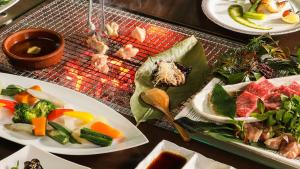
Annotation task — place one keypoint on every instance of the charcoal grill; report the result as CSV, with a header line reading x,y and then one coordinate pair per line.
x,y
69,17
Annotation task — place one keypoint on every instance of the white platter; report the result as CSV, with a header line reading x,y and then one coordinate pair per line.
x,y
133,136
194,160
47,160
202,106
217,11
8,5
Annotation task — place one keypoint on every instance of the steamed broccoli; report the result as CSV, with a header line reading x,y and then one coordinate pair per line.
x,y
43,108
23,114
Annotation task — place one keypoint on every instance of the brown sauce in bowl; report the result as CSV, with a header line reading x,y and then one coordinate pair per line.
x,y
168,160
46,45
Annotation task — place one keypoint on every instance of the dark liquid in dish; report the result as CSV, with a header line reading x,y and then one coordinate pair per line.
x,y
167,160
47,46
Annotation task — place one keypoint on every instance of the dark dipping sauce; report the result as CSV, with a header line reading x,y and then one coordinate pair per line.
x,y
168,160
47,46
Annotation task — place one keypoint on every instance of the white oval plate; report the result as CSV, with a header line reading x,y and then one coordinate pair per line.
x,y
217,11
202,106
10,4
133,136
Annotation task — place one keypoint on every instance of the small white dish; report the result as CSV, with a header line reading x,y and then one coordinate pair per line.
x,y
194,160
132,135
202,106
8,5
47,160
217,11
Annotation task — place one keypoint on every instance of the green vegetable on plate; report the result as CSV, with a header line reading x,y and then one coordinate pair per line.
x,y
95,137
64,130
12,90
58,136
236,13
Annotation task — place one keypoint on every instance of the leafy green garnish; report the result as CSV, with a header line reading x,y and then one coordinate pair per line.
x,y
261,57
223,103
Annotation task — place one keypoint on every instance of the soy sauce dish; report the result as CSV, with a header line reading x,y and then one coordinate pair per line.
x,y
35,48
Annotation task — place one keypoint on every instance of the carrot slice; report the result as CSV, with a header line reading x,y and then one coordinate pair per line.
x,y
39,125
36,87
106,130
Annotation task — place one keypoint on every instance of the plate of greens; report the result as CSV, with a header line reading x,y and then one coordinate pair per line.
x,y
5,4
254,17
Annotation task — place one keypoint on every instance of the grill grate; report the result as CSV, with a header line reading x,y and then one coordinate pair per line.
x,y
75,71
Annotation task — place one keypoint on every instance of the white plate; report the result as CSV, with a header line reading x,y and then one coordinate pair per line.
x,y
133,136
194,160
217,11
47,160
201,100
10,4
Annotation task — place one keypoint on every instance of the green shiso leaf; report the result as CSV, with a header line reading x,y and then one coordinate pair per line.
x,y
223,103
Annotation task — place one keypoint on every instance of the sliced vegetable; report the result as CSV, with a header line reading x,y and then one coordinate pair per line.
x,y
84,116
39,125
25,98
10,105
12,90
106,129
236,13
54,114
19,127
64,130
58,136
45,96
254,15
95,137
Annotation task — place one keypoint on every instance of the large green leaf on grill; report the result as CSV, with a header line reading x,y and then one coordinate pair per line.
x,y
188,52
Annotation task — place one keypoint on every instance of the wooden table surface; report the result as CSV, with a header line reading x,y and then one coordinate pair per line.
x,y
128,159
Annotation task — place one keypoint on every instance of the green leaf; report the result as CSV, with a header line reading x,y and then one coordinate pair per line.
x,y
223,103
260,106
188,52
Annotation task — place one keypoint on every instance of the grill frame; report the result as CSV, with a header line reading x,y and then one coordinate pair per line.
x,y
69,18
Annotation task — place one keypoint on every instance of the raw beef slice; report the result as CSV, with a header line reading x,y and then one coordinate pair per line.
x,y
260,88
285,91
246,103
272,101
295,86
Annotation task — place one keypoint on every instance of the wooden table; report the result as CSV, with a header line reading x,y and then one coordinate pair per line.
x,y
128,159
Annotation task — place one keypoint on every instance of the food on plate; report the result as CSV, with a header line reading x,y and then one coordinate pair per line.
x,y
170,74
168,160
260,57
291,17
47,116
16,167
236,13
127,52
272,6
139,34
99,61
277,108
252,14
3,2
96,44
33,164
112,29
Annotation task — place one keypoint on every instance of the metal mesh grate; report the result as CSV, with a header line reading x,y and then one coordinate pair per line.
x,y
69,17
